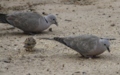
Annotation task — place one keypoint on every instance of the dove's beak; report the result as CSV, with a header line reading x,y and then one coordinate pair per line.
x,y
108,49
56,23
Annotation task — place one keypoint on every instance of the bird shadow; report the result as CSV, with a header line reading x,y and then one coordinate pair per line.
x,y
10,28
22,33
79,57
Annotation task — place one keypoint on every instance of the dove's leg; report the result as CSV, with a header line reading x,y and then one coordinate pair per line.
x,y
89,56
29,33
82,55
86,56
95,56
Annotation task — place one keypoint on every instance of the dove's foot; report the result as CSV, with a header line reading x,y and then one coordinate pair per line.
x,y
89,57
30,33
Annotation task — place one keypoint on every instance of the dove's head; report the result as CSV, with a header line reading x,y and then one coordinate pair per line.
x,y
105,43
52,19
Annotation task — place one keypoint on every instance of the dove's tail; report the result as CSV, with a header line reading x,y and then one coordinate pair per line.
x,y
47,38
58,39
61,40
3,18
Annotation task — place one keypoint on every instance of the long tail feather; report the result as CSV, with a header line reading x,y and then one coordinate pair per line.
x,y
3,18
47,38
61,40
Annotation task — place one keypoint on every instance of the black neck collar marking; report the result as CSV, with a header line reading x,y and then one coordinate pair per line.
x,y
46,20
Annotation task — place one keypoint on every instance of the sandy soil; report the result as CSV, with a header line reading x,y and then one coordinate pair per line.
x,y
75,17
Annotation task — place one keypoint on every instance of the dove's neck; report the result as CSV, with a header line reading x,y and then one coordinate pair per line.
x,y
100,48
101,45
44,24
48,20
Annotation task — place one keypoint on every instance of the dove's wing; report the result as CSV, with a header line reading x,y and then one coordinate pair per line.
x,y
82,44
25,21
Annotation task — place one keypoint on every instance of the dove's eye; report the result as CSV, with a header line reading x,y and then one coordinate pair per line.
x,y
53,19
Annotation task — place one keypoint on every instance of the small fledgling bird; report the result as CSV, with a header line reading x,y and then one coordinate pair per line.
x,y
29,22
86,45
29,44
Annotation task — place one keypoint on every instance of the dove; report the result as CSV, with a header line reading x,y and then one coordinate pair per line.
x,y
86,45
29,22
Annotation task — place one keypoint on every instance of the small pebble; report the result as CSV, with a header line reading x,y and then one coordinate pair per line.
x,y
28,74
50,29
112,25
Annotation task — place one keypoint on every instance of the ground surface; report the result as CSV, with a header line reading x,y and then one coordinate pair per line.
x,y
97,17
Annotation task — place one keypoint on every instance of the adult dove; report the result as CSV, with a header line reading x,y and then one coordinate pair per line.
x,y
86,45
29,22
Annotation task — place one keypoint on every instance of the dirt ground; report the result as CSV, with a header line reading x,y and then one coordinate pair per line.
x,y
75,17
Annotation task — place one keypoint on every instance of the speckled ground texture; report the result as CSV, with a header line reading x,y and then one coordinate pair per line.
x,y
75,17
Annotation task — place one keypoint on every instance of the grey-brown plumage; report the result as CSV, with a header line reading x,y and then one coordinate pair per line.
x,y
86,45
29,44
29,22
